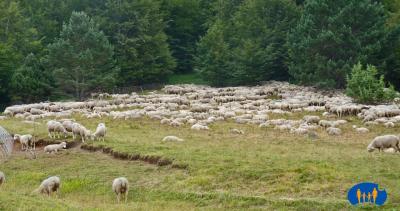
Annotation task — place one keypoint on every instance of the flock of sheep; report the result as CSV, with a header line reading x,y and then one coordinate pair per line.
x,y
201,106
120,186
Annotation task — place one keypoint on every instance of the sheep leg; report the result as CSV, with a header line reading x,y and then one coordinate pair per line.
x,y
118,197
126,196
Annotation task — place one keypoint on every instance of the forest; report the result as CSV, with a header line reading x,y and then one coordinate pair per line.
x,y
67,49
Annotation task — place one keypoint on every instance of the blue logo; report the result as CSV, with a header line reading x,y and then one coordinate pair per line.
x,y
366,193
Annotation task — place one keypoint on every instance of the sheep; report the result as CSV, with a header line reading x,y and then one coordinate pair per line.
x,y
333,131
55,147
299,131
54,127
389,124
311,119
2,178
237,131
25,140
362,130
78,129
384,142
101,131
199,127
68,125
172,139
120,186
49,185
325,123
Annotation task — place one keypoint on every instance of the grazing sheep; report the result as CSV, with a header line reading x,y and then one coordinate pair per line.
x,y
389,124
172,139
333,131
311,119
384,142
199,127
325,123
120,186
80,130
101,131
25,140
237,131
55,128
299,131
55,147
49,185
68,125
2,178
362,130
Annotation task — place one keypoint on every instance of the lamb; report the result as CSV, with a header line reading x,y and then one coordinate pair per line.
x,y
25,140
101,131
384,142
55,147
2,178
333,131
49,185
78,129
199,127
120,186
54,127
172,139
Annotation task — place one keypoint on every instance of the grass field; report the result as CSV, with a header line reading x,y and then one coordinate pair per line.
x,y
263,169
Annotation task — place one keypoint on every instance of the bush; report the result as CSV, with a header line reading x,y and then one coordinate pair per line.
x,y
364,86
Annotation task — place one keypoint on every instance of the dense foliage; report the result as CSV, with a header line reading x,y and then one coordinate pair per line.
x,y
364,86
235,42
332,36
251,46
82,58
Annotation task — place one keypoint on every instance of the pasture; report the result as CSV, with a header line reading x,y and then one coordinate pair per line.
x,y
269,167
262,169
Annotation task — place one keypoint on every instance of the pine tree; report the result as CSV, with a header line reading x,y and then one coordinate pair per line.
x,y
82,58
331,37
250,46
136,28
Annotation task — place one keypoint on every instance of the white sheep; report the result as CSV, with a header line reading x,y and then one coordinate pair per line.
x,y
101,131
49,185
389,124
384,142
2,178
362,130
56,128
237,131
311,119
172,139
68,125
80,130
55,147
120,186
24,140
199,127
333,131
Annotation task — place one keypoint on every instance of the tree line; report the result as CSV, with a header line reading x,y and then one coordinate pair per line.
x,y
54,49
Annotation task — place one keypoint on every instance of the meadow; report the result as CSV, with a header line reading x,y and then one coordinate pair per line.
x,y
262,169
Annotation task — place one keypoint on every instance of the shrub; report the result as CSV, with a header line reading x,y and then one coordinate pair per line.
x,y
365,87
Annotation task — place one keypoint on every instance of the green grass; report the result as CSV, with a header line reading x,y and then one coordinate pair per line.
x,y
263,169
187,78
